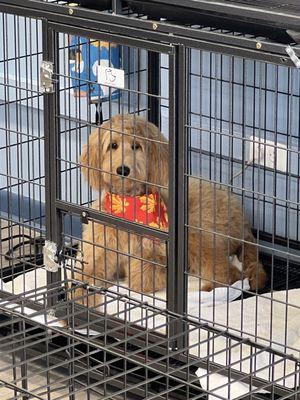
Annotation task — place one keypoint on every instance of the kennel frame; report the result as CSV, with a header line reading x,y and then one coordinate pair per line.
x,y
58,19
180,38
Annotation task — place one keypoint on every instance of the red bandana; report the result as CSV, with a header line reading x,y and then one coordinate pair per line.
x,y
145,209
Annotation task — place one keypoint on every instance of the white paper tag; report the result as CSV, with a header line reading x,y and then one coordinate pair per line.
x,y
111,77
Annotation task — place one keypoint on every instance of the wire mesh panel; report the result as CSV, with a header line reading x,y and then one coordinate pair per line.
x,y
22,184
243,132
127,355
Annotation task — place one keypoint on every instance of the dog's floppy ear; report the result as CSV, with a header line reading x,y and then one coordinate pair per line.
x,y
91,159
158,156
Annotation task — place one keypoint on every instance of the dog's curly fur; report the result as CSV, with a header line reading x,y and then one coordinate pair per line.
x,y
217,224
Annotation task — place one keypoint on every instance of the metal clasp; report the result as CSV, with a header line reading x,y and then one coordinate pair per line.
x,y
50,254
46,71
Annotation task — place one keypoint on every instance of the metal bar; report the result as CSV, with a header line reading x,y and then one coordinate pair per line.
x,y
153,87
176,288
23,357
47,138
271,17
212,41
117,6
117,37
207,40
110,220
285,20
52,178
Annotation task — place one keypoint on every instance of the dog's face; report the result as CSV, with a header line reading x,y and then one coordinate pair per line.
x,y
127,156
124,162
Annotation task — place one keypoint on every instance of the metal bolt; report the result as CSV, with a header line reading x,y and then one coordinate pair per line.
x,y
84,214
71,5
258,45
154,26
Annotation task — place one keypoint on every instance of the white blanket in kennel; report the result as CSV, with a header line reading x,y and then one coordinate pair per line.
x,y
267,317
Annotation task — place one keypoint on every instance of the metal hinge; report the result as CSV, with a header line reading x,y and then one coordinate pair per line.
x,y
46,71
51,259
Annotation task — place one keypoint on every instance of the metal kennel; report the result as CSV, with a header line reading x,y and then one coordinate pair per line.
x,y
221,81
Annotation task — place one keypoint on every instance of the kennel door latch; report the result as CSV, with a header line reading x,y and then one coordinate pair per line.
x,y
46,73
50,253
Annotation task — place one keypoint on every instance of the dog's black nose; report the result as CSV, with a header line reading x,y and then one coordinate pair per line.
x,y
123,170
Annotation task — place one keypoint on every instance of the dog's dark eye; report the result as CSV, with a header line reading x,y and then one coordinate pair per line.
x,y
136,146
112,146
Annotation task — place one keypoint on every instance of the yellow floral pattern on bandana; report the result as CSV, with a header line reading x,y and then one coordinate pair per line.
x,y
154,225
158,224
119,204
149,203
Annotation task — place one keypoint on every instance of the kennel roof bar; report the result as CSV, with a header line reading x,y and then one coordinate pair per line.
x,y
226,14
139,25
273,16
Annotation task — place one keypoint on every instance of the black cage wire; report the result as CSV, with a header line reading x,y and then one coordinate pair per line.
x,y
149,199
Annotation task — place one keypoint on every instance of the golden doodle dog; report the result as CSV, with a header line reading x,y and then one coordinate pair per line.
x,y
128,157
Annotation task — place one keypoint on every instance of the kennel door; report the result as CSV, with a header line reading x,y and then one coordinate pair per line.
x,y
115,205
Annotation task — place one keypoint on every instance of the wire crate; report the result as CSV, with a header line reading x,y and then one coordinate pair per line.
x,y
149,200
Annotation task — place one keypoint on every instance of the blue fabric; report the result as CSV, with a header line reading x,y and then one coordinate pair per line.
x,y
84,57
